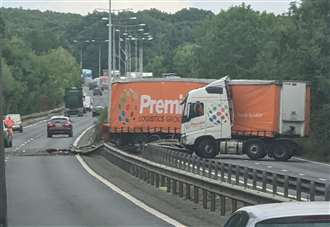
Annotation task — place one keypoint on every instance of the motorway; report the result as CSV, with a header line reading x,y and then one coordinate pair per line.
x,y
56,190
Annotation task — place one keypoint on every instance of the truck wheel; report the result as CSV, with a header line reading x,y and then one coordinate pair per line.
x,y
281,151
70,134
49,135
206,148
255,149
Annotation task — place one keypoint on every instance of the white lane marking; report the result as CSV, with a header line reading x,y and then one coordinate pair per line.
x,y
301,174
35,124
322,179
257,163
128,196
284,170
269,167
75,143
318,163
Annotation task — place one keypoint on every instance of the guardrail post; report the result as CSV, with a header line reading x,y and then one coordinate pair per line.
x,y
254,182
327,192
157,180
286,186
152,178
180,189
210,169
174,183
298,189
216,171
212,198
237,174
193,164
162,181
222,167
203,167
233,205
274,182
198,166
245,176
190,165
312,191
229,173
204,199
168,186
264,181
196,195
222,205
188,191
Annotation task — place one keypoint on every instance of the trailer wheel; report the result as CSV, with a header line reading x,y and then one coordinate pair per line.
x,y
281,151
206,148
255,149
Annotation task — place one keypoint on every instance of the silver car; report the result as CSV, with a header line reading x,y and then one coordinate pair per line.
x,y
289,214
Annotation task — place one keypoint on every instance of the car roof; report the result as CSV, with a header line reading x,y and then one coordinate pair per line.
x,y
13,115
57,117
287,209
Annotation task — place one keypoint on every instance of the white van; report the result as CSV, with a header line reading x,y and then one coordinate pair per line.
x,y
88,104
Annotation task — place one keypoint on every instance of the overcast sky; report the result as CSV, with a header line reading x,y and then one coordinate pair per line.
x,y
86,6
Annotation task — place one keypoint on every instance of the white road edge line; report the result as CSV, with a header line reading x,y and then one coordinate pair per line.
x,y
128,196
75,143
314,162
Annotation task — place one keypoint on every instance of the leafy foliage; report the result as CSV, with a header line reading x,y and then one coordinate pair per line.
x,y
239,42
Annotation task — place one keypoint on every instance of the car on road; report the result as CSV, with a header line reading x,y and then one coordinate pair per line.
x,y
7,136
59,125
88,103
97,91
97,110
288,214
18,125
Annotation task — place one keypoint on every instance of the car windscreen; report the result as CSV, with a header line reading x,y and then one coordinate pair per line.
x,y
297,221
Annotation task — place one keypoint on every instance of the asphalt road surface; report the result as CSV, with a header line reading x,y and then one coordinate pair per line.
x,y
55,190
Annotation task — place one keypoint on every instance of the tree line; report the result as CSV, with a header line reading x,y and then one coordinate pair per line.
x,y
41,58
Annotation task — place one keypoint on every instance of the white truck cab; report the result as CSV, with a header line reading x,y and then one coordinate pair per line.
x,y
206,118
253,117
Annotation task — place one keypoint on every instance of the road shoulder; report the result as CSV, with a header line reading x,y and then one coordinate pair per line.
x,y
182,210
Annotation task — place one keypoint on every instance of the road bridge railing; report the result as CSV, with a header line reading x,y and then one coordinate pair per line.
x,y
252,178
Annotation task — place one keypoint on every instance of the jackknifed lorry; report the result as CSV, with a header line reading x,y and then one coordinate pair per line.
x,y
210,118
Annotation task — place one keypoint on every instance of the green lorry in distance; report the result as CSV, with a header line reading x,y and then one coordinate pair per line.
x,y
73,101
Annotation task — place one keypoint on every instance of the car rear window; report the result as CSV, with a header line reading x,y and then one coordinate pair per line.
x,y
297,221
59,120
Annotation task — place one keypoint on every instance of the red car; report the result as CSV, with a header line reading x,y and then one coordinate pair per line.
x,y
59,125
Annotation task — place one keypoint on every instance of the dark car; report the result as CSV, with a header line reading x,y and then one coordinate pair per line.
x,y
97,110
97,91
59,125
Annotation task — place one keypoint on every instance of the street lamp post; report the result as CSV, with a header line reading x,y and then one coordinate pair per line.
x,y
109,65
100,55
141,57
136,55
114,50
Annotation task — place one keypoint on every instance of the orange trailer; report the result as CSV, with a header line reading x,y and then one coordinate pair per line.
x,y
143,107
